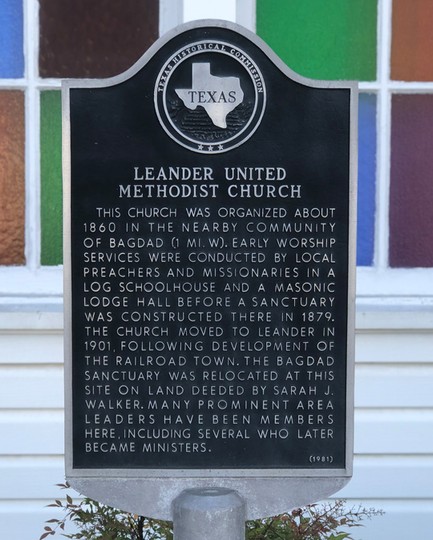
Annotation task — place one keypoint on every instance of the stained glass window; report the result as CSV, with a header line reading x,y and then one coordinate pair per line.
x,y
51,175
322,40
337,40
366,179
411,193
385,44
411,186
412,40
100,38
12,194
76,39
81,39
11,39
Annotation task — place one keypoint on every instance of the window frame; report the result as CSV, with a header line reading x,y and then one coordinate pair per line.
x,y
34,287
380,284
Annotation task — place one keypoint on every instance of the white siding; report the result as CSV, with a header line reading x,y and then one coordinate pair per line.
x,y
393,423
31,421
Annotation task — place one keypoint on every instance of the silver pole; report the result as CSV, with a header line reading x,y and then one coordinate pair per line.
x,y
209,514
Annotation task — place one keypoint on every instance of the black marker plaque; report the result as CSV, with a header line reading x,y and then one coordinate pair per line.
x,y
210,264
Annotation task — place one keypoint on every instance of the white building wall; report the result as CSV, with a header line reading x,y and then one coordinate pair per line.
x,y
31,420
393,422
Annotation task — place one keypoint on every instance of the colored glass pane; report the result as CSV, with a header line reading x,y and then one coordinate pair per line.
x,y
411,195
366,179
11,39
51,178
322,40
412,40
12,199
100,38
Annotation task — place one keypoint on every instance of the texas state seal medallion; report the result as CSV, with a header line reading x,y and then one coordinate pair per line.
x,y
210,97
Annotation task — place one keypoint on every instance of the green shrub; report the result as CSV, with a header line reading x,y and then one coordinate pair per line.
x,y
313,522
92,520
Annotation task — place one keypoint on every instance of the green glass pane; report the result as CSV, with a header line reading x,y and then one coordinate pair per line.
x,y
51,178
322,39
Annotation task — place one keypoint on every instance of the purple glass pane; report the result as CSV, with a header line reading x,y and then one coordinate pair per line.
x,y
411,195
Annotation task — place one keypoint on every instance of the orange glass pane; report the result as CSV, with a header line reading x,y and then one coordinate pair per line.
x,y
412,40
11,177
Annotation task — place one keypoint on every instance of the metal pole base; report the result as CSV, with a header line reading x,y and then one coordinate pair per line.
x,y
209,514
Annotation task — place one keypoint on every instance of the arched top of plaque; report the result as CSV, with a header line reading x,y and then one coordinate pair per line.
x,y
209,77
248,172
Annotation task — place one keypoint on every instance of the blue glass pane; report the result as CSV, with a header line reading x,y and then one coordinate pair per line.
x,y
366,179
11,39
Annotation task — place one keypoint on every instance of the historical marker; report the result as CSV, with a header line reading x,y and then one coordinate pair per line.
x,y
209,232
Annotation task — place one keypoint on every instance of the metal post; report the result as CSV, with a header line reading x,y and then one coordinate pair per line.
x,y
209,514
